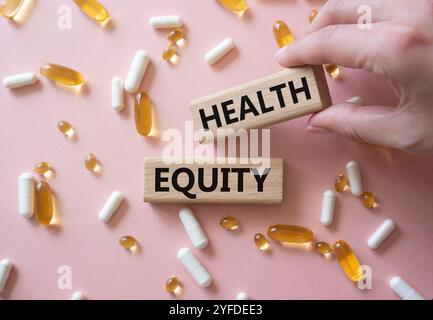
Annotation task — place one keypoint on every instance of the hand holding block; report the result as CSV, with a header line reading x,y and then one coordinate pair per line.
x,y
225,181
281,96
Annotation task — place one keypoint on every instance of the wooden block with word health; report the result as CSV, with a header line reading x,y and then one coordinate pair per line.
x,y
227,181
278,97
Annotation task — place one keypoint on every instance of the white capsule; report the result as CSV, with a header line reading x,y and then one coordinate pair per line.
x,y
117,98
193,228
159,22
219,51
242,296
5,270
194,267
111,206
78,296
381,234
356,101
328,207
26,194
404,290
136,71
354,176
20,80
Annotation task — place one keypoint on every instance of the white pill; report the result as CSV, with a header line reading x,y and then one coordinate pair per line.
x,y
78,296
242,296
5,270
354,176
404,290
219,51
111,206
20,80
26,194
159,22
328,207
136,71
357,101
194,267
381,234
193,228
117,98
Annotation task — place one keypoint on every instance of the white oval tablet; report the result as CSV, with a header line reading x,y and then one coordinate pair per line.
x,y
194,267
136,71
159,22
404,290
26,194
20,80
193,228
219,51
328,208
111,206
117,97
382,232
354,176
5,269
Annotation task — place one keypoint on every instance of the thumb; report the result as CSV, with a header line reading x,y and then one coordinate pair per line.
x,y
369,124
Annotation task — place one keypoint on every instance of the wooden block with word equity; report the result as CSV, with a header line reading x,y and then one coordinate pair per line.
x,y
228,180
278,97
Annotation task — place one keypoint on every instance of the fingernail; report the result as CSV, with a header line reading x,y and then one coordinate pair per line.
x,y
357,101
317,130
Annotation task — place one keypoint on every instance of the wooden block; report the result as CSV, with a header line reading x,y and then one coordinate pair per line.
x,y
213,183
281,96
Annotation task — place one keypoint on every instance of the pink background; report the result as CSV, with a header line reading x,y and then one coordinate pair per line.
x,y
104,270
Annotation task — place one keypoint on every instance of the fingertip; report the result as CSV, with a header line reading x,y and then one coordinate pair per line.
x,y
286,56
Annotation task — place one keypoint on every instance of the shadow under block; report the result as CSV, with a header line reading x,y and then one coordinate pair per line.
x,y
285,95
234,182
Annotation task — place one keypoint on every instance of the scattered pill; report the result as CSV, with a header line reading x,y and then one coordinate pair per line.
x,y
117,97
404,290
110,206
177,37
323,248
261,242
93,9
5,269
219,51
237,6
170,54
9,8
43,169
242,296
357,101
20,80
91,163
347,260
172,285
328,207
333,70
282,33
193,228
78,296
143,114
194,267
128,242
66,128
44,206
162,22
290,234
368,199
313,15
381,233
26,192
354,175
229,223
62,75
136,71
341,183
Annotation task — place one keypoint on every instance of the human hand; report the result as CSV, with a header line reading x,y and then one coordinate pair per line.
x,y
399,46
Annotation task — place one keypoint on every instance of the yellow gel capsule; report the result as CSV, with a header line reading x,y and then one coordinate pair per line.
x,y
333,70
66,128
176,36
322,247
172,285
282,33
9,8
237,6
341,183
347,260
290,234
368,199
143,114
93,9
43,168
313,15
61,74
43,203
91,162
170,54
128,242
229,223
261,242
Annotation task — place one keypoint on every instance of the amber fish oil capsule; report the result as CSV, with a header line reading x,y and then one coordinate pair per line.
x,y
323,248
237,6
381,233
368,199
128,242
341,183
333,70
177,37
290,234
229,223
43,169
117,96
20,80
93,9
354,175
170,54
219,51
26,194
110,206
5,269
9,8
172,285
91,163
62,75
282,33
44,206
143,114
347,260
404,290
66,128
313,15
136,71
163,22
193,228
194,267
261,242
